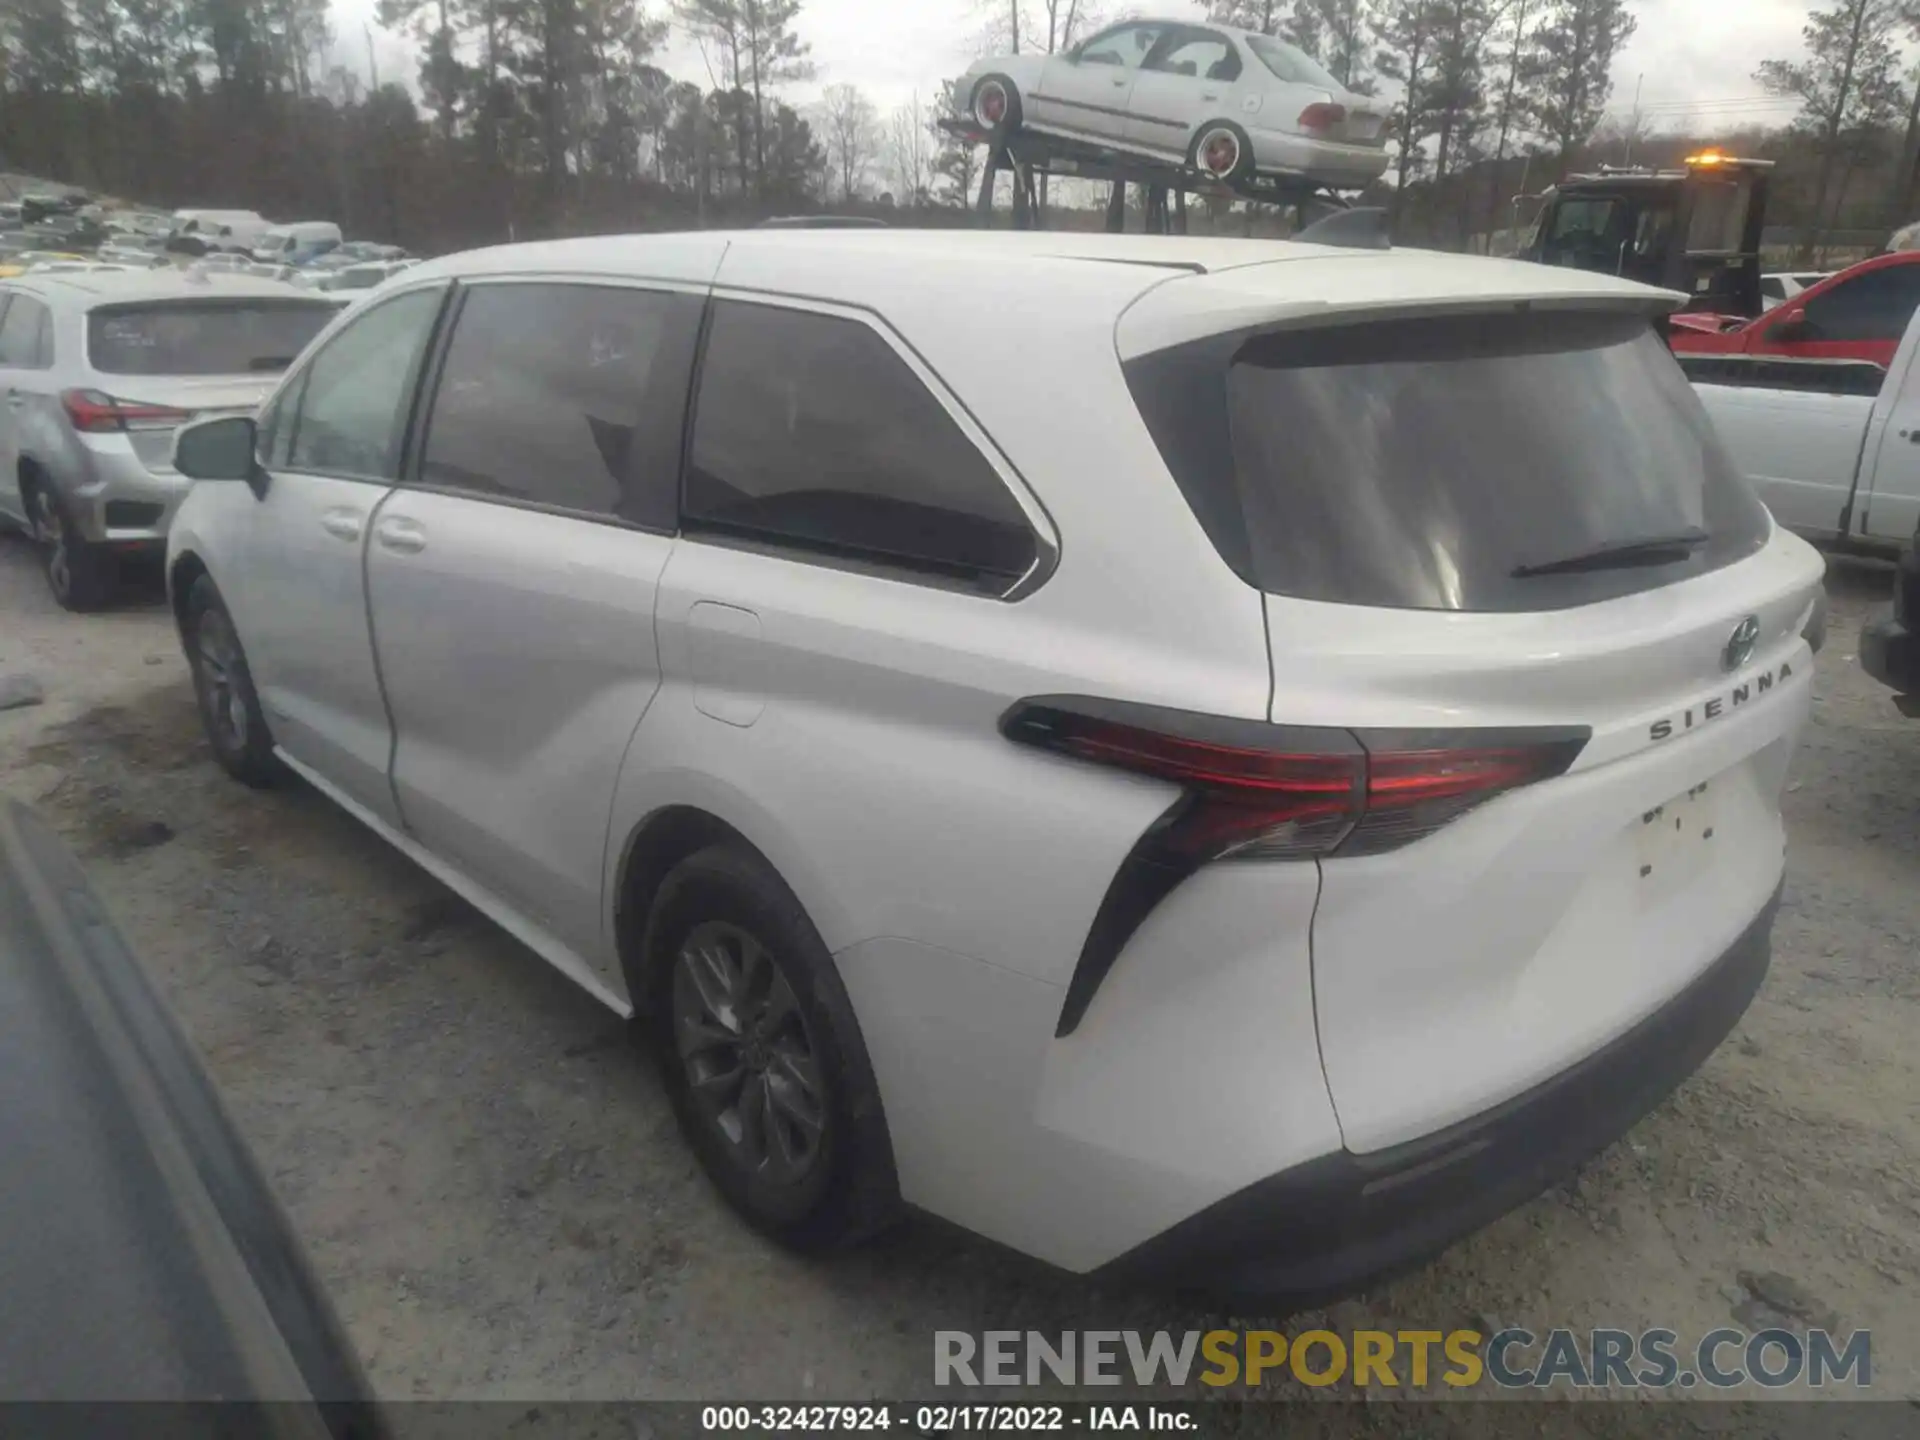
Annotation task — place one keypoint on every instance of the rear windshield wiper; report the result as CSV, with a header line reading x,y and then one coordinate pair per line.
x,y
1654,550
269,362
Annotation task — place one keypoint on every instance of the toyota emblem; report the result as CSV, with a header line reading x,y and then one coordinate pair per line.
x,y
1740,644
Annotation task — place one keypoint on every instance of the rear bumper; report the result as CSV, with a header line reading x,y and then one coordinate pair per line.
x,y
1889,648
1337,1223
1328,161
124,503
1890,653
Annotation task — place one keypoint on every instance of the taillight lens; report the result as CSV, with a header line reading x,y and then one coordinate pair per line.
x,y
1249,790
1272,792
1322,115
94,412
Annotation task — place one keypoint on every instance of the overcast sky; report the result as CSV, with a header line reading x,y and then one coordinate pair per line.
x,y
1697,57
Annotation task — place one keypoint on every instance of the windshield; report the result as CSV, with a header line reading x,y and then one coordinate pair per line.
x,y
1720,208
1420,464
1293,66
200,337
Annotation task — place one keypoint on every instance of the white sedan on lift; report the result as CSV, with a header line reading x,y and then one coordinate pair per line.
x,y
1232,103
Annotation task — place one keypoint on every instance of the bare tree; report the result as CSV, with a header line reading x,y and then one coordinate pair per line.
x,y
909,153
1507,111
852,132
956,162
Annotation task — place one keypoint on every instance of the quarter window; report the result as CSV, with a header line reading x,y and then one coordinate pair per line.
x,y
811,432
566,395
352,410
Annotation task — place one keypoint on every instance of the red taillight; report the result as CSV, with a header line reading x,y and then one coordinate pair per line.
x,y
1277,792
1249,790
1322,115
96,413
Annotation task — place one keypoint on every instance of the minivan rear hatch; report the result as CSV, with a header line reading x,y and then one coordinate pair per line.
x,y
1480,528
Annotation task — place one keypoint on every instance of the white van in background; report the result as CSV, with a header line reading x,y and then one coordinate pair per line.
x,y
222,229
297,243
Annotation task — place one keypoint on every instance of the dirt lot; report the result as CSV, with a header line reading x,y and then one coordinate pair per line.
x,y
490,1182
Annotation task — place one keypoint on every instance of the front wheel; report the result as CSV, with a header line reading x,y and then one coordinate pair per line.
x,y
1222,150
229,707
996,105
761,1055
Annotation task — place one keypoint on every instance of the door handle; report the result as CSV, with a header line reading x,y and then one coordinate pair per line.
x,y
1209,97
1119,80
15,400
401,535
343,524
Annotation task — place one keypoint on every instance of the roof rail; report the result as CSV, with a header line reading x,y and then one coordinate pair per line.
x,y
1360,229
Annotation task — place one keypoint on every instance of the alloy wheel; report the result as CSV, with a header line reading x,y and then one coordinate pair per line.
x,y
991,106
751,1065
217,672
53,534
1220,153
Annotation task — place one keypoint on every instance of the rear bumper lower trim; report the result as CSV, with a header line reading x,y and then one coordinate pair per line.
x,y
1890,653
1337,1223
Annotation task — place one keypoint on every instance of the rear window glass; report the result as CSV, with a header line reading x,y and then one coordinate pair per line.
x,y
1430,464
202,337
1294,66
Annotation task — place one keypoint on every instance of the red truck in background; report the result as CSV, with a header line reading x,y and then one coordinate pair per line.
x,y
1859,314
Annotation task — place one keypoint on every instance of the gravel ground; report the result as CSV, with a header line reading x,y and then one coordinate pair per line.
x,y
490,1182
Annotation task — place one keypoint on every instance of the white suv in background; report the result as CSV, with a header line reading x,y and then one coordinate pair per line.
x,y
1206,761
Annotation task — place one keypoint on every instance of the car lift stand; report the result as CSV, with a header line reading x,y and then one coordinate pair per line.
x,y
1164,185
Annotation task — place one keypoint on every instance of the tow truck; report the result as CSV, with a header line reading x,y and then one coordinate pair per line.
x,y
1695,229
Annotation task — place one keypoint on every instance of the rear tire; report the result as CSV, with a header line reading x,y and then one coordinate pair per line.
x,y
761,1056
1222,150
223,685
81,574
995,106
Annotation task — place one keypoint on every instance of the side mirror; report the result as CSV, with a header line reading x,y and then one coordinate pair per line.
x,y
222,448
1793,330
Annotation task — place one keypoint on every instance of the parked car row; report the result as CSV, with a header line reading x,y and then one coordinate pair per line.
x,y
98,369
611,580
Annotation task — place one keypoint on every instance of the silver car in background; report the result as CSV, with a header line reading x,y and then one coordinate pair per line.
x,y
1229,103
97,370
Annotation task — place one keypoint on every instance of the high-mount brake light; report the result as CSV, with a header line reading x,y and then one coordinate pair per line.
x,y
1249,790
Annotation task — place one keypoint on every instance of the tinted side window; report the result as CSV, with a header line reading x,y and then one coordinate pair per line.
x,y
1124,45
23,334
1874,306
353,397
1198,54
811,431
567,395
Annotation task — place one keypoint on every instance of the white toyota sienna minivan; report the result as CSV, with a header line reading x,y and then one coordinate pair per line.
x,y
1216,763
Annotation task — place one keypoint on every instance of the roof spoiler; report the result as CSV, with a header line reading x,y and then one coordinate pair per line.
x,y
1363,229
